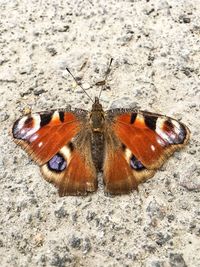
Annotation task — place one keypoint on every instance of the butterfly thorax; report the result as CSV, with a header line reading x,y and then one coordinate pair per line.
x,y
97,117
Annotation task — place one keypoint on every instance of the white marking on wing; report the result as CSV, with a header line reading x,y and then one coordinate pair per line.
x,y
21,122
55,116
160,132
65,151
40,144
177,127
128,154
33,137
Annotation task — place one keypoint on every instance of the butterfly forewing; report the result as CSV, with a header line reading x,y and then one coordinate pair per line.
x,y
43,134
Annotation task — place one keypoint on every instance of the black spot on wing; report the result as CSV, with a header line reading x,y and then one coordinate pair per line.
x,y
61,116
70,146
45,118
123,147
133,117
150,121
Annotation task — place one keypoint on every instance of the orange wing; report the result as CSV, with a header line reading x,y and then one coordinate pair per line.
x,y
118,176
42,135
72,170
150,137
57,142
138,143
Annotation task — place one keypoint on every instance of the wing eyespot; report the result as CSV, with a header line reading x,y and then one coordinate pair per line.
x,y
136,164
57,163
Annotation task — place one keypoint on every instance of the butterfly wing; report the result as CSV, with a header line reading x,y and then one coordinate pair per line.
x,y
53,140
117,174
72,169
143,142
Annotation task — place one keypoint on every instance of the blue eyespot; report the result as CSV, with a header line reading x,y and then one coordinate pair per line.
x,y
57,163
136,164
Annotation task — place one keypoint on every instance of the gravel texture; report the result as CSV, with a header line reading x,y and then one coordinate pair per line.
x,y
156,51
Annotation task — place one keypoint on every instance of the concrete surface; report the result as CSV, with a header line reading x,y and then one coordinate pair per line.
x,y
156,51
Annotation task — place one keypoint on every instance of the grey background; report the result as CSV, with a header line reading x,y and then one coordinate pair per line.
x,y
156,51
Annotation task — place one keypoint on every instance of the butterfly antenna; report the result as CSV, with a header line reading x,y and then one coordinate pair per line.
x,y
106,76
79,85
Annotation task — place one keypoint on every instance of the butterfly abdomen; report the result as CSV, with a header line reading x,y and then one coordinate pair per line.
x,y
97,149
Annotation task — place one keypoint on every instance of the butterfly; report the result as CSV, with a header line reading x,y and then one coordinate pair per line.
x,y
71,146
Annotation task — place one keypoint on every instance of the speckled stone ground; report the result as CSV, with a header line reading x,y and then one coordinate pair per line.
x,y
156,51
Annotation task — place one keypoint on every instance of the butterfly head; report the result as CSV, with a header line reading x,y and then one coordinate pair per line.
x,y
97,116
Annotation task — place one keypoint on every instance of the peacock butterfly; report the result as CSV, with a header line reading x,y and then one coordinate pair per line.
x,y
71,146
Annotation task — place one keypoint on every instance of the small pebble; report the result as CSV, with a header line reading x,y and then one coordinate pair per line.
x,y
176,260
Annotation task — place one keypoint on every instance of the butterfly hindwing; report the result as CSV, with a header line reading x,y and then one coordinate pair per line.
x,y
118,177
72,170
121,171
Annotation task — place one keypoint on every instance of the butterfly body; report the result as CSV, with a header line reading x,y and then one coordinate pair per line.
x,y
72,146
